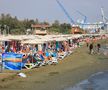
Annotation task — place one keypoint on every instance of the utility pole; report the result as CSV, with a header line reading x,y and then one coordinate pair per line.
x,y
0,29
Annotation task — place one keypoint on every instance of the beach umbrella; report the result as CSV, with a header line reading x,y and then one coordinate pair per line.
x,y
32,42
2,38
17,37
60,39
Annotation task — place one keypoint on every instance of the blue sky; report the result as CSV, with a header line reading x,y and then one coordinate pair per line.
x,y
49,10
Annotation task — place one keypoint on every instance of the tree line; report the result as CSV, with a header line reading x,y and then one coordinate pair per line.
x,y
15,26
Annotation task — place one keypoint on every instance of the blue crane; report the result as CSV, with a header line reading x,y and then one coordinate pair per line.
x,y
66,13
85,19
105,20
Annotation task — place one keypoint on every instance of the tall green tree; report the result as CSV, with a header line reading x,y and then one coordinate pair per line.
x,y
55,26
15,26
65,28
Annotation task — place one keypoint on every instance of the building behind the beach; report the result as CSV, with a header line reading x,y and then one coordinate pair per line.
x,y
40,29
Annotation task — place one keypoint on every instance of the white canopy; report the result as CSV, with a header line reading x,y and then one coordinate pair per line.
x,y
36,41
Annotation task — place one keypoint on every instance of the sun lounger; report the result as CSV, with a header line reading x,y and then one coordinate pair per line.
x,y
31,62
29,65
54,60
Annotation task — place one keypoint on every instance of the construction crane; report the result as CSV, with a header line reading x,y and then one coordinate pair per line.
x,y
66,13
105,20
69,17
85,19
76,23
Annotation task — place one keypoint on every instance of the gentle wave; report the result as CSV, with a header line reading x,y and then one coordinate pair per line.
x,y
98,81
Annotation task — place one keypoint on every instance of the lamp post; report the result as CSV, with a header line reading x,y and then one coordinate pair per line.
x,y
8,30
4,29
5,26
0,29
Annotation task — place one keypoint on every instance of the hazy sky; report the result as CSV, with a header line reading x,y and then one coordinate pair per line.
x,y
49,10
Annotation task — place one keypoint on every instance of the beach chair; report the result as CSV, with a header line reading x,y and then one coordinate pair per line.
x,y
54,60
29,62
29,65
39,61
43,62
61,56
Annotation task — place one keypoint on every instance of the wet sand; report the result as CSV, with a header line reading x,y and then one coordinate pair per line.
x,y
77,67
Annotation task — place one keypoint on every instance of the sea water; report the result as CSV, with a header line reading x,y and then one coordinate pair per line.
x,y
98,81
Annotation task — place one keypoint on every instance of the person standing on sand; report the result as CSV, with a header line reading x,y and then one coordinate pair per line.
x,y
98,47
87,41
91,48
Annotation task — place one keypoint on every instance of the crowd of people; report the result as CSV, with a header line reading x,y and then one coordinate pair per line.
x,y
48,53
93,45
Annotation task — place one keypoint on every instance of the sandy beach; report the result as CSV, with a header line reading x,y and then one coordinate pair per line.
x,y
77,67
53,45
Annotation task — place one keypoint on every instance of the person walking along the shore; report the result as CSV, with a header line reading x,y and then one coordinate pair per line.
x,y
98,47
91,48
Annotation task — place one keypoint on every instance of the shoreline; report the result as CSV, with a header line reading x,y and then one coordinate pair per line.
x,y
75,68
